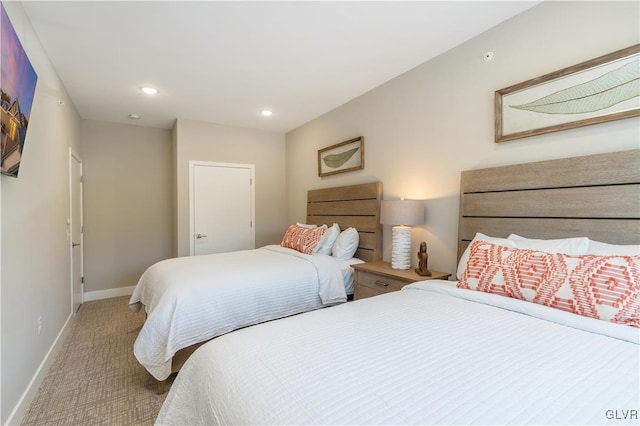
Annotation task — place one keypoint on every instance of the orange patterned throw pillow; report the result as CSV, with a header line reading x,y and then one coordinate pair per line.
x,y
303,239
601,287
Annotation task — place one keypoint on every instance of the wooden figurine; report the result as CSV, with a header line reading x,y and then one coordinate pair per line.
x,y
423,261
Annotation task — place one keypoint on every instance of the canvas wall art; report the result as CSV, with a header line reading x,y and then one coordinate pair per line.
x,y
17,88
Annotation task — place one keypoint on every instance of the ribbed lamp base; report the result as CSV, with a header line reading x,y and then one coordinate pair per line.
x,y
401,247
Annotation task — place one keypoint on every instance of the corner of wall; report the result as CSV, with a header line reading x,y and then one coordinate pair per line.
x,y
174,189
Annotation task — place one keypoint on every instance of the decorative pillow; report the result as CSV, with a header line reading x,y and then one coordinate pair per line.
x,y
303,239
596,247
462,264
346,244
325,246
601,287
576,245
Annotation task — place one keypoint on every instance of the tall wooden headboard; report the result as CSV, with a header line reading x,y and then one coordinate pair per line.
x,y
355,206
595,196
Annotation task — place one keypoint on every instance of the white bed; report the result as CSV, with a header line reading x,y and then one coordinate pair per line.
x,y
434,353
193,299
429,354
190,300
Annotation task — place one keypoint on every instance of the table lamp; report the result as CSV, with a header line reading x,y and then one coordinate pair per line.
x,y
401,213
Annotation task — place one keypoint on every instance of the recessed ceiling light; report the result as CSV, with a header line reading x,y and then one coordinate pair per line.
x,y
149,90
266,113
134,116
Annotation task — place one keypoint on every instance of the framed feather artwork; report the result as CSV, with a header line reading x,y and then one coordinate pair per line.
x,y
599,90
343,157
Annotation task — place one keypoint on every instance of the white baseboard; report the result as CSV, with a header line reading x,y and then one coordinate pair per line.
x,y
108,294
16,416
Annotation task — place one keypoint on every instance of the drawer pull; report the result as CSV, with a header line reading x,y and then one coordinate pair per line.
x,y
382,284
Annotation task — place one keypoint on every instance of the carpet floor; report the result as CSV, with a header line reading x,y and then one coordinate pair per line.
x,y
95,379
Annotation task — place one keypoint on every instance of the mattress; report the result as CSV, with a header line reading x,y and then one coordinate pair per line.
x,y
429,354
190,300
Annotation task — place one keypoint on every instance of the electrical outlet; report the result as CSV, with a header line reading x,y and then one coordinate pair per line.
x,y
39,325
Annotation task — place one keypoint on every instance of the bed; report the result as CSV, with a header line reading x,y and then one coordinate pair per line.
x,y
442,352
191,300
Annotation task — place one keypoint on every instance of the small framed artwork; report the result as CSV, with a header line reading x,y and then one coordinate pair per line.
x,y
343,157
599,90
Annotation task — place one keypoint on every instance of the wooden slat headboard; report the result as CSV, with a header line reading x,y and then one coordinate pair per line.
x,y
595,196
355,206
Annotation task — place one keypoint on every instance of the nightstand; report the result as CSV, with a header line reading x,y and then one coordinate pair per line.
x,y
374,278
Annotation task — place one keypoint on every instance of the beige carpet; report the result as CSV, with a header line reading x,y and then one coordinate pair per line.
x,y
95,379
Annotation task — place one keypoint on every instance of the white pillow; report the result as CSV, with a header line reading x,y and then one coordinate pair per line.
x,y
462,265
346,244
604,249
574,246
306,225
325,245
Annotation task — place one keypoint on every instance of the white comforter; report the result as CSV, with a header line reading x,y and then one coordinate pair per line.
x,y
424,355
193,299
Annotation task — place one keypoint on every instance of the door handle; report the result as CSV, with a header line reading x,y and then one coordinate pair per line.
x,y
74,244
198,236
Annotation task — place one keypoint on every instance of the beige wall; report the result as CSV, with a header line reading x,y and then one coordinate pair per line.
x,y
127,202
196,140
35,265
426,126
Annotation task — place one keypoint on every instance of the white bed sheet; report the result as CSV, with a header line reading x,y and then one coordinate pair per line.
x,y
348,273
423,355
193,299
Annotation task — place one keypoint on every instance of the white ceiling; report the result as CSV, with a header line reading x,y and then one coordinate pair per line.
x,y
223,62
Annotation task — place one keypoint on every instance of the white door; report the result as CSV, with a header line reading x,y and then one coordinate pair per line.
x,y
222,207
75,229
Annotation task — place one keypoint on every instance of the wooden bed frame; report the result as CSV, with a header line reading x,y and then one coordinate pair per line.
x,y
595,196
355,206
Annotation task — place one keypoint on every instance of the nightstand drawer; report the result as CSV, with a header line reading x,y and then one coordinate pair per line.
x,y
362,292
380,283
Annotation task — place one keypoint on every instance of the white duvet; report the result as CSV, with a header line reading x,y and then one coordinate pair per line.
x,y
424,355
189,300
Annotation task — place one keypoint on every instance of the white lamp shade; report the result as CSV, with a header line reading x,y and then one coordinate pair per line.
x,y
401,213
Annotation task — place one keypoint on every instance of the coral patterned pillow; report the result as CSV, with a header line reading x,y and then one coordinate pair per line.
x,y
303,239
602,287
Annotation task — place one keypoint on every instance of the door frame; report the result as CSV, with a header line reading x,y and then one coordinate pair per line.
x,y
192,165
73,156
